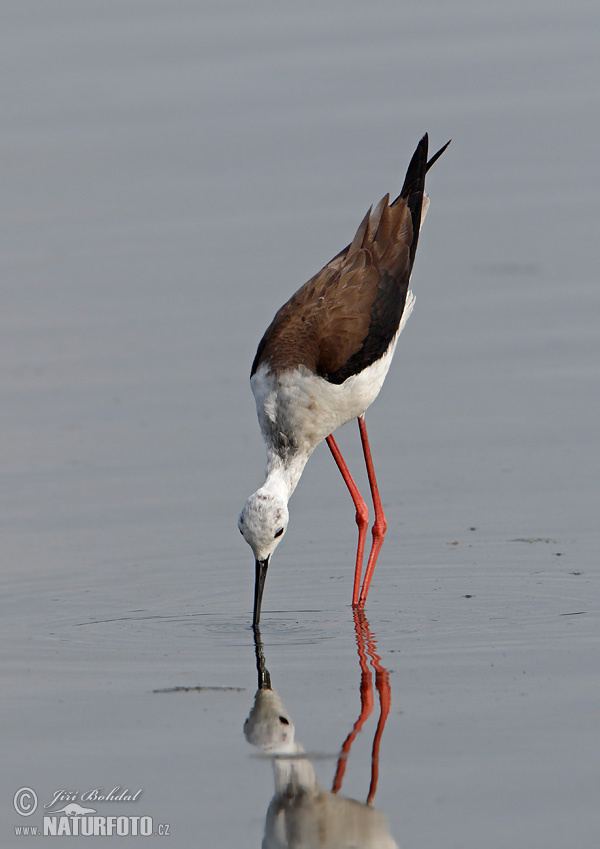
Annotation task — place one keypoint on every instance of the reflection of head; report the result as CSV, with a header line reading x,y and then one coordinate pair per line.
x,y
269,725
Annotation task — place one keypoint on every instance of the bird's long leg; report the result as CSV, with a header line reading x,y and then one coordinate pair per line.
x,y
382,683
380,524
362,514
366,698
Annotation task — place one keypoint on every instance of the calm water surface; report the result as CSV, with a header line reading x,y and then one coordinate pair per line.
x,y
170,175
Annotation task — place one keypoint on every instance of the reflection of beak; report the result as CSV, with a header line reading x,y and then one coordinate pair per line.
x,y
264,679
259,585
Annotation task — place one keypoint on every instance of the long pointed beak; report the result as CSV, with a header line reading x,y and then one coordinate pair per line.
x,y
259,585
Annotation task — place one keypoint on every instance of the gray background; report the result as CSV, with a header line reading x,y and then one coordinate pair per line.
x,y
170,174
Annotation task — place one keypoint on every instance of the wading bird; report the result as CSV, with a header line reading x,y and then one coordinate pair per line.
x,y
322,362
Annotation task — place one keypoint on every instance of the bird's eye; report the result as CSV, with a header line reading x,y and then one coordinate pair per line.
x,y
284,720
278,533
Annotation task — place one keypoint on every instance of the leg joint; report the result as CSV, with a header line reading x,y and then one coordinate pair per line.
x,y
379,527
362,515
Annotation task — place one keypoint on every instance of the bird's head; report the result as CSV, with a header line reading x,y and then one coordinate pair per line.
x,y
262,523
269,725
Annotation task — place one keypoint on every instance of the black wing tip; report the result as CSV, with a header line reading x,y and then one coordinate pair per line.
x,y
437,155
413,189
417,168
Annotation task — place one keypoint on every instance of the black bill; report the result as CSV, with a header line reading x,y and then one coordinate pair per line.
x,y
259,585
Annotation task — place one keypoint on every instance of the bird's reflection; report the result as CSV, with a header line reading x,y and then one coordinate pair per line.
x,y
301,814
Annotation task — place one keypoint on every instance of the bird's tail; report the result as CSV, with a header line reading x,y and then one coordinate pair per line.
x,y
413,188
437,155
413,191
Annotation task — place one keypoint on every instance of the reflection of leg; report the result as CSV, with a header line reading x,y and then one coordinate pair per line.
x,y
362,513
380,524
366,701
382,683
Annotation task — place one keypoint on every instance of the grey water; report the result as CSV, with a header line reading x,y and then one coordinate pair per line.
x,y
170,174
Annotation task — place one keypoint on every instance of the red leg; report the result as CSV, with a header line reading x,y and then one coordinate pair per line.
x,y
382,683
366,700
380,524
366,645
362,514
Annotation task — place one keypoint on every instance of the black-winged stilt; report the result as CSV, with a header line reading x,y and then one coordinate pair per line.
x,y
322,362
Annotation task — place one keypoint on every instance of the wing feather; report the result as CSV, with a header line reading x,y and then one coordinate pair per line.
x,y
345,317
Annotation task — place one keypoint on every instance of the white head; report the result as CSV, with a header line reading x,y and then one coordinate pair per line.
x,y
269,725
262,523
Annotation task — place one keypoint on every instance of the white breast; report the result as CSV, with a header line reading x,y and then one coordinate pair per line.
x,y
306,408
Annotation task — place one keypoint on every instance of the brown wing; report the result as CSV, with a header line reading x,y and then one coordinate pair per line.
x,y
326,323
344,318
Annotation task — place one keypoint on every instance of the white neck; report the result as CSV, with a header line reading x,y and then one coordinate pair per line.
x,y
295,777
282,477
